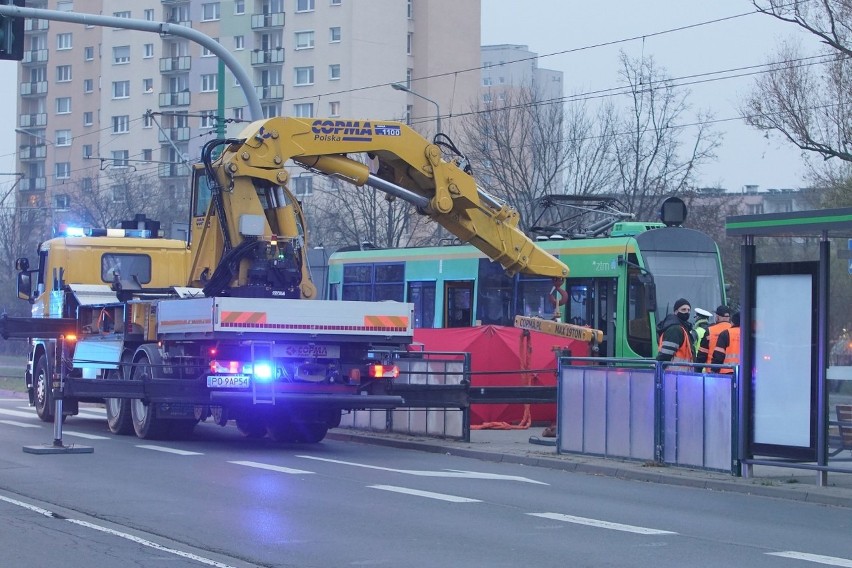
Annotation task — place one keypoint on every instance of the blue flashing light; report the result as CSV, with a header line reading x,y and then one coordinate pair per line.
x,y
262,372
75,232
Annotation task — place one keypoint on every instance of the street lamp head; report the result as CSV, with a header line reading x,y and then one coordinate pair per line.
x,y
400,87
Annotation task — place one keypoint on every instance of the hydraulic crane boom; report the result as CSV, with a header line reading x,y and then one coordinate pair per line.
x,y
251,199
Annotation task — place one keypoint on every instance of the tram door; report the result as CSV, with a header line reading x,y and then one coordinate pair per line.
x,y
592,302
458,303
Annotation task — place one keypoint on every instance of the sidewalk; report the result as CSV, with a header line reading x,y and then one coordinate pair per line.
x,y
514,446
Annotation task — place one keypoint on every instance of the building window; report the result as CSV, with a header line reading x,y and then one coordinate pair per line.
x,y
120,158
63,105
63,137
65,6
208,119
334,34
209,83
148,50
63,73
147,154
63,41
120,89
304,75
88,53
210,12
88,119
121,54
147,86
410,9
87,151
147,120
121,124
409,75
486,81
86,184
304,5
409,44
149,15
334,108
239,42
336,2
270,110
239,7
123,14
303,186
88,85
304,40
61,202
303,110
238,113
409,110
334,72
62,170
205,52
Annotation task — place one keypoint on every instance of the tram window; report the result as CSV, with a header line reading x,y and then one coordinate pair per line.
x,y
373,283
422,295
494,294
690,275
458,296
638,317
532,297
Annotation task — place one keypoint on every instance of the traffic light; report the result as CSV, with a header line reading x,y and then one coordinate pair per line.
x,y
12,34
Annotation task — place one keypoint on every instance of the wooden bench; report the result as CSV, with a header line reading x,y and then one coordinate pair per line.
x,y
843,436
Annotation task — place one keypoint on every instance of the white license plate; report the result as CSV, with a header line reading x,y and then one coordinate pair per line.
x,y
300,351
228,381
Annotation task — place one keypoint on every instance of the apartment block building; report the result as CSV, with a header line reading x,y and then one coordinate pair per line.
x,y
101,107
511,66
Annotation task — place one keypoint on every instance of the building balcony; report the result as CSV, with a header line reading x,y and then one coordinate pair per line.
x,y
32,120
175,64
173,2
35,56
32,152
268,92
36,25
269,57
174,134
33,184
34,89
174,99
267,21
173,170
184,23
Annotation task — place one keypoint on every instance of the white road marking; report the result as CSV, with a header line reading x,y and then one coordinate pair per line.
x,y
90,413
18,413
38,510
83,435
428,494
817,558
20,424
420,473
11,399
270,467
169,450
599,524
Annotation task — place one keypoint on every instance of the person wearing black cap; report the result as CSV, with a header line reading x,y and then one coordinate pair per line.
x,y
708,344
675,334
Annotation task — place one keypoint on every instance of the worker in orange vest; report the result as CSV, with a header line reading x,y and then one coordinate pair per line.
x,y
675,334
728,346
708,342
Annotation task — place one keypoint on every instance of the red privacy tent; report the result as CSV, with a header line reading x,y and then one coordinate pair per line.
x,y
498,348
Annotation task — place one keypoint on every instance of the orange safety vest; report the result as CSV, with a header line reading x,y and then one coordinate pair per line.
x,y
732,352
683,353
714,332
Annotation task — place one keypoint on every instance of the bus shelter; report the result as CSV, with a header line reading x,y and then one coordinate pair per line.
x,y
795,392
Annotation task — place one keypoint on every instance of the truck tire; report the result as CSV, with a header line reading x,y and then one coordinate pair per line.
x,y
146,423
42,397
119,419
251,427
286,431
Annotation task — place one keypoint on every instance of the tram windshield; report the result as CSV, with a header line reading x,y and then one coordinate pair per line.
x,y
691,275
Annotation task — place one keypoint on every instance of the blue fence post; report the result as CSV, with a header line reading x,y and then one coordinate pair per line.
x,y
659,414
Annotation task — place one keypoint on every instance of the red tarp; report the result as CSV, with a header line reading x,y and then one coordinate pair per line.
x,y
497,348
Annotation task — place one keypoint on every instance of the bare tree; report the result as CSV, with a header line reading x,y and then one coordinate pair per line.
x,y
590,167
518,150
653,159
807,99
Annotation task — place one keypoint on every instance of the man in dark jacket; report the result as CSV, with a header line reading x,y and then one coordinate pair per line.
x,y
675,334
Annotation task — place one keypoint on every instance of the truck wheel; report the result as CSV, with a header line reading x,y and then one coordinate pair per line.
x,y
310,432
281,430
41,385
146,423
119,419
251,427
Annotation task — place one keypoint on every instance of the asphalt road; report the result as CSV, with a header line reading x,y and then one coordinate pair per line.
x,y
220,500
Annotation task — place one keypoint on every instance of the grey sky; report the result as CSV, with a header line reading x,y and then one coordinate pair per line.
x,y
551,26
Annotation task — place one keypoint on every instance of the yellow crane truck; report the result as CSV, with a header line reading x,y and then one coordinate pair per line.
x,y
227,324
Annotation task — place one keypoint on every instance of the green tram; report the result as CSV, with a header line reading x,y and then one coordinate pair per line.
x,y
622,284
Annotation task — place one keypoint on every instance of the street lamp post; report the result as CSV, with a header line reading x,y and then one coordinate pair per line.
x,y
401,87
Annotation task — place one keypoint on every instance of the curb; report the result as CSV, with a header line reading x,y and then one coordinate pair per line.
x,y
828,496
